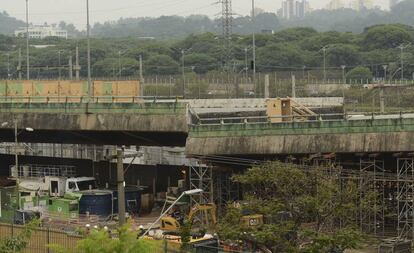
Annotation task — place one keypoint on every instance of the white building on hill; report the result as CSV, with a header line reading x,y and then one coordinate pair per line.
x,y
41,32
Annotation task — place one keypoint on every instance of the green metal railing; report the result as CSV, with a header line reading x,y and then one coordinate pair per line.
x,y
238,127
98,105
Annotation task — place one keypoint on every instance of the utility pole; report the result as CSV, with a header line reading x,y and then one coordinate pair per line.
x,y
88,34
121,186
27,42
293,86
19,67
254,44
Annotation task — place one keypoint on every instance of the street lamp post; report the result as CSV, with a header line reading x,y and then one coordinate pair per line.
x,y
8,65
27,42
119,65
343,67
16,154
254,44
324,63
385,72
88,34
188,193
59,64
183,69
246,66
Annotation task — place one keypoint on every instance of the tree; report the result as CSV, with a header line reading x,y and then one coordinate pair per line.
x,y
343,54
161,65
100,241
359,73
19,243
290,197
385,36
200,63
274,56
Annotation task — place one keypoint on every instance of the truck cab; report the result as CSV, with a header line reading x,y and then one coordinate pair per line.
x,y
80,184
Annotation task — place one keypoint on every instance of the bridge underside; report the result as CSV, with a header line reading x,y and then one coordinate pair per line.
x,y
101,128
167,139
391,142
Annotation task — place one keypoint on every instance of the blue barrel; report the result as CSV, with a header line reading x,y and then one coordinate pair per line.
x,y
96,203
132,200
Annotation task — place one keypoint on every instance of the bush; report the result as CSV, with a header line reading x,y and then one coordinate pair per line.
x,y
359,73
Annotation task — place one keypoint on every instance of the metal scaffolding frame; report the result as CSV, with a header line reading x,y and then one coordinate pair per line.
x,y
405,197
371,180
224,189
201,177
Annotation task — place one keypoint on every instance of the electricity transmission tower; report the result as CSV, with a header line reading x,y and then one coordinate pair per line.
x,y
227,26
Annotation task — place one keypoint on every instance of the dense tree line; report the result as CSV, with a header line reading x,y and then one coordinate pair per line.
x,y
165,27
292,49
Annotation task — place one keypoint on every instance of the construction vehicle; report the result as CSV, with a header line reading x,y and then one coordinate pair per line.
x,y
254,220
199,213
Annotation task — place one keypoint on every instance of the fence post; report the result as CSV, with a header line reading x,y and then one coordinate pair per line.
x,y
48,239
165,246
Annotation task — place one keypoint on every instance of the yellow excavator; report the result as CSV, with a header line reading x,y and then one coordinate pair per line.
x,y
203,214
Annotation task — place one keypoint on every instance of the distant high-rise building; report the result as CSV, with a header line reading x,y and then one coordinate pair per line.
x,y
295,8
360,5
335,5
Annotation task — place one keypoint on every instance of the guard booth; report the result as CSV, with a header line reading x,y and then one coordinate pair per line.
x,y
287,110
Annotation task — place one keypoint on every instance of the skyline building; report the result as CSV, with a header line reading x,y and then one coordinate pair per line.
x,y
295,9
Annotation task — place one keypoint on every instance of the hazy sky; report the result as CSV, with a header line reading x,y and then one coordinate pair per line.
x,y
72,11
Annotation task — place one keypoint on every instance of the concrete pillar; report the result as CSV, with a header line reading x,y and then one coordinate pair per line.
x,y
70,68
266,86
293,86
77,67
382,100
121,188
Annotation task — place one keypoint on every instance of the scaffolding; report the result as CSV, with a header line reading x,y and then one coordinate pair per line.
x,y
224,188
405,197
201,177
371,188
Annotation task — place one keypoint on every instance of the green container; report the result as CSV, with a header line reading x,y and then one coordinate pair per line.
x,y
68,208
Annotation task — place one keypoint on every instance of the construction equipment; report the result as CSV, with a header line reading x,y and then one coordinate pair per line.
x,y
252,220
203,214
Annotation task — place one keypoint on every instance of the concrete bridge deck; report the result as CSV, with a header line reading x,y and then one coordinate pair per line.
x,y
169,123
394,133
97,123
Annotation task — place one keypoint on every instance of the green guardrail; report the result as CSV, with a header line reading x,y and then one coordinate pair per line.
x,y
75,108
304,128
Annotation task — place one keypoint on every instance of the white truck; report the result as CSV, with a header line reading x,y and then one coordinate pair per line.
x,y
56,186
